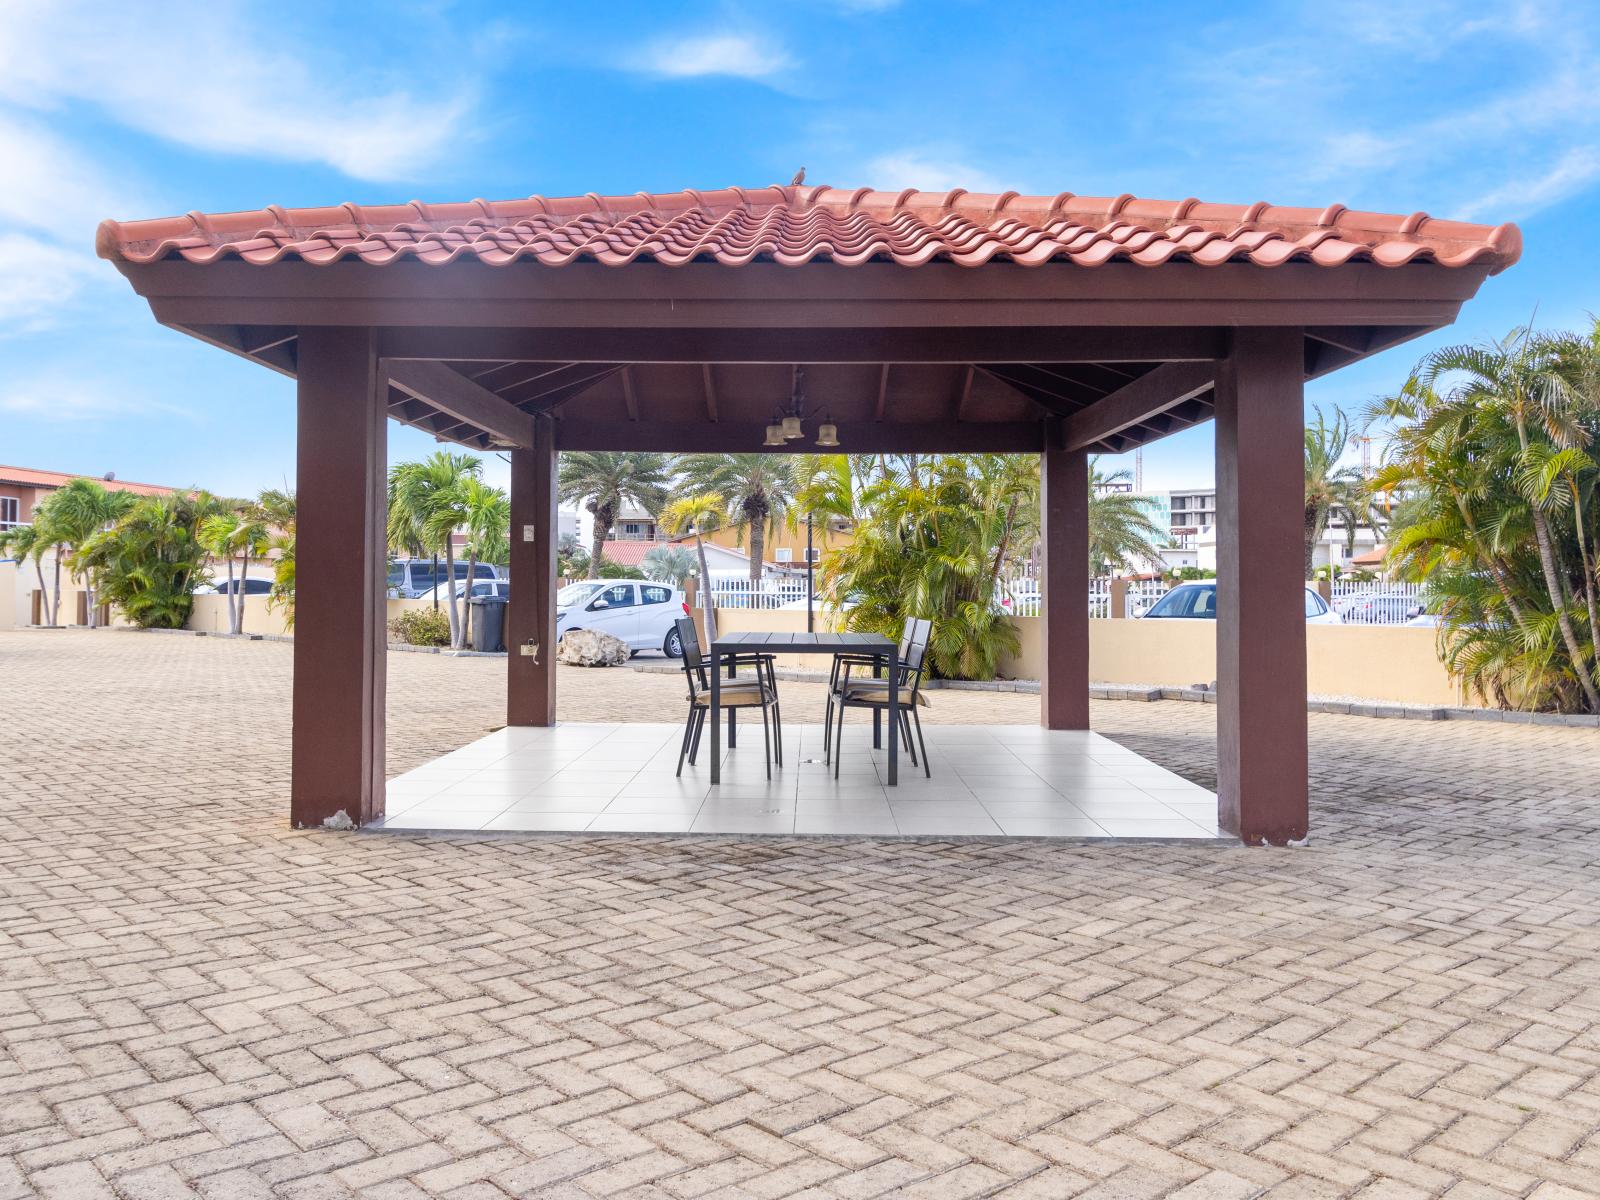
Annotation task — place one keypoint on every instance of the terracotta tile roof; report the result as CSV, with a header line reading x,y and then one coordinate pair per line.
x,y
795,225
32,478
627,553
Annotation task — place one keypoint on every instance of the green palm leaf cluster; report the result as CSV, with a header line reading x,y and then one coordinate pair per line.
x,y
1494,463
756,490
605,481
1121,528
932,539
150,560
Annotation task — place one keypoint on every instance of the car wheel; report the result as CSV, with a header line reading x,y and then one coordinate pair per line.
x,y
673,646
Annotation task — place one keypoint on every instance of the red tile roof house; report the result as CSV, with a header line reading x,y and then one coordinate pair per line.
x,y
1060,326
22,488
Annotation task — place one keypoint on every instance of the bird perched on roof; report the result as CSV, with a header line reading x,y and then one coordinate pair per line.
x,y
799,178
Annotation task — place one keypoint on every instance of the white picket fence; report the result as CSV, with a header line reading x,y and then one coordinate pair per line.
x,y
1377,603
745,593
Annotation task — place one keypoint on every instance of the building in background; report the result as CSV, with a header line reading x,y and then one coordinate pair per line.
x,y
22,489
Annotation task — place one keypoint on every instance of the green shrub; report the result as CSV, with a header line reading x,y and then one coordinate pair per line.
x,y
422,627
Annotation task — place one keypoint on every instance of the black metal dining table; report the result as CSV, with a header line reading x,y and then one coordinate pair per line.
x,y
873,645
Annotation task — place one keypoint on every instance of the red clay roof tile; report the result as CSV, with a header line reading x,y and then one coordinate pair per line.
x,y
796,225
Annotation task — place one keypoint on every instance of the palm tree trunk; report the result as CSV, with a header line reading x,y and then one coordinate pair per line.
x,y
1588,570
603,517
44,592
1313,536
233,600
707,598
450,593
55,604
1558,595
466,616
758,548
244,569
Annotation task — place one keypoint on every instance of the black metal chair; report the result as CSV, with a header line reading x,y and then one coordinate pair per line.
x,y
734,694
916,628
874,694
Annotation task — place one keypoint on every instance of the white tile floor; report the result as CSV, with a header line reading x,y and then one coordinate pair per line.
x,y
988,780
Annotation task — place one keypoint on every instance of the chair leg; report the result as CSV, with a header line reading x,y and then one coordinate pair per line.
x,y
699,724
838,742
766,741
827,730
683,748
905,736
927,767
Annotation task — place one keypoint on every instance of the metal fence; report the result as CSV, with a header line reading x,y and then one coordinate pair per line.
x,y
746,593
1378,603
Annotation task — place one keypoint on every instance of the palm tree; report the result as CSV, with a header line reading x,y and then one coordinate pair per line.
x,y
668,564
275,509
241,531
1121,528
606,481
1523,385
758,488
426,506
150,560
702,512
1327,483
28,542
74,513
486,513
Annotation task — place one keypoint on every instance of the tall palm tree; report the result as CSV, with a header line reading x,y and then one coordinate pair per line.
x,y
238,531
426,507
1121,528
28,542
1327,483
74,513
607,480
758,489
703,512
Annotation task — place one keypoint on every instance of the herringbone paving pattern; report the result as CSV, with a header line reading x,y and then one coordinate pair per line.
x,y
195,1001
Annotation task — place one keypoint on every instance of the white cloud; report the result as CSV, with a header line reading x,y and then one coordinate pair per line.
x,y
930,172
1575,171
208,77
37,278
739,55
68,398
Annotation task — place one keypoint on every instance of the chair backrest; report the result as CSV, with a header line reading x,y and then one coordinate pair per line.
x,y
914,653
694,663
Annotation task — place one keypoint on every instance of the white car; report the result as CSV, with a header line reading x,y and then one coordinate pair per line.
x,y
1198,602
481,587
639,612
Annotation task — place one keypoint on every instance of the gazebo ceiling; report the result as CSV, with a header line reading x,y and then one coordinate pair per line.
x,y
921,320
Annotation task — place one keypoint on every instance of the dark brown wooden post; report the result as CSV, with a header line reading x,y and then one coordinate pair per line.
x,y
531,615
1065,537
341,548
1261,621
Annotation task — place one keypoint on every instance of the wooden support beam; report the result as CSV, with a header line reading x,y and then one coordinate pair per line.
x,y
1064,534
340,644
531,615
1165,387
455,394
628,396
1261,628
810,345
860,437
711,391
964,393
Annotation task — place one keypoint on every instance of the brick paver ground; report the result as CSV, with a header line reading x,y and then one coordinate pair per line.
x,y
195,1001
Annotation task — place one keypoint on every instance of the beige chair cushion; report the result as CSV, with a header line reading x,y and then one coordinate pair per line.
x,y
735,697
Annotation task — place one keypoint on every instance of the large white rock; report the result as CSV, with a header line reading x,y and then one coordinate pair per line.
x,y
592,648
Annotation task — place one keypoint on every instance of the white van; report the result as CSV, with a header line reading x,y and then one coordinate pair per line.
x,y
639,612
411,578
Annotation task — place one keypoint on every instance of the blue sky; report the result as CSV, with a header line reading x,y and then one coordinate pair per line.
x,y
1486,112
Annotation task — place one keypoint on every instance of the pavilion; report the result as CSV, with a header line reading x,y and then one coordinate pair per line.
x,y
915,322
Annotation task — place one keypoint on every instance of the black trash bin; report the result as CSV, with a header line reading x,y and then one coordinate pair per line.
x,y
489,623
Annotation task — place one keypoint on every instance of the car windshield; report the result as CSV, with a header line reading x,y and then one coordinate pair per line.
x,y
577,593
1193,600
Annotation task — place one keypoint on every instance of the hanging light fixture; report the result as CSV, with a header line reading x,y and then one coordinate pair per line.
x,y
791,428
789,422
827,434
775,436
